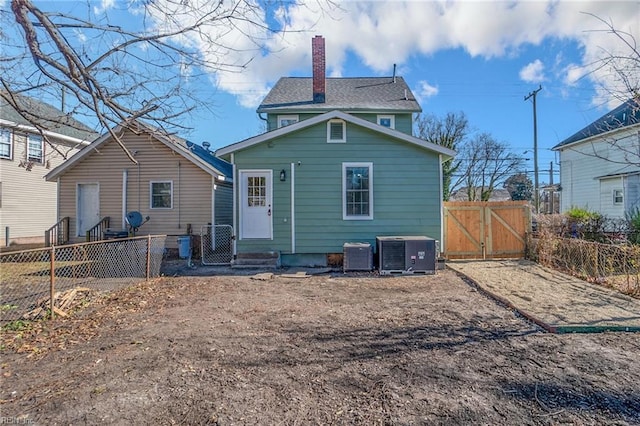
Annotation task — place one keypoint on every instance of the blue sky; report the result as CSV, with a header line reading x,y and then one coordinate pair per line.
x,y
478,57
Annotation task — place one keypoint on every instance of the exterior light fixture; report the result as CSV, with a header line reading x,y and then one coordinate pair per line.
x,y
283,175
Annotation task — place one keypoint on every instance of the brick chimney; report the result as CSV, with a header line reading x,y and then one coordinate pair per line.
x,y
318,63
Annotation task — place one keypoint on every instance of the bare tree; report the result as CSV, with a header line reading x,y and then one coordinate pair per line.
x,y
116,74
617,71
449,132
616,74
484,164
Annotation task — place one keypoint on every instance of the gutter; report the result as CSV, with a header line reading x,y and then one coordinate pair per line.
x,y
32,129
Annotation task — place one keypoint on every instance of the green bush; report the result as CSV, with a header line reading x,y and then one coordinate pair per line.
x,y
583,215
633,221
586,224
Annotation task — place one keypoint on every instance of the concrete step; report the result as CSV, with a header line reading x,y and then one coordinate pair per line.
x,y
256,260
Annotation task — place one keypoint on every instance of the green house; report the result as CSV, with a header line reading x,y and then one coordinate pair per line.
x,y
337,164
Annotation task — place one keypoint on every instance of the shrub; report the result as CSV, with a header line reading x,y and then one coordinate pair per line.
x,y
586,224
633,223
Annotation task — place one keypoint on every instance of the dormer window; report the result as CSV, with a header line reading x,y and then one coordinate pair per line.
x,y
387,121
336,131
286,120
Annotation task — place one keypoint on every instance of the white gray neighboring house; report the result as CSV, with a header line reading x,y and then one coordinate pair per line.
x,y
28,203
600,164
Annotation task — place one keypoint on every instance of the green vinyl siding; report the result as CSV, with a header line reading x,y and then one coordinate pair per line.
x,y
403,122
272,119
406,189
224,204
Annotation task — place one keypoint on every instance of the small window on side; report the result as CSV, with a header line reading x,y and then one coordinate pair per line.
x,y
618,196
287,120
387,121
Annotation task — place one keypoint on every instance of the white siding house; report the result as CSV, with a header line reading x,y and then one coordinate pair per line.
x,y
28,203
600,164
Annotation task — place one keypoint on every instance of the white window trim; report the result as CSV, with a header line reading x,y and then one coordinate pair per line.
x,y
151,194
617,203
344,191
344,131
29,138
281,118
392,118
10,133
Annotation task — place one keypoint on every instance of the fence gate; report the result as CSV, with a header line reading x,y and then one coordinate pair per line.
x,y
485,230
216,244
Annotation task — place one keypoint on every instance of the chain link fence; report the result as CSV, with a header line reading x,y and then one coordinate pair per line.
x,y
612,265
216,244
42,283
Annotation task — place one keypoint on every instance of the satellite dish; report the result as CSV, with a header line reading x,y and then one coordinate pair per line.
x,y
134,219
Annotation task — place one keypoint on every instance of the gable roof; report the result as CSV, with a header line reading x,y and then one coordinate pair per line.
x,y
446,152
625,115
45,117
198,155
384,94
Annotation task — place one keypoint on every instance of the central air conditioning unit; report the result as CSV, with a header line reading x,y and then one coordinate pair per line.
x,y
357,257
406,255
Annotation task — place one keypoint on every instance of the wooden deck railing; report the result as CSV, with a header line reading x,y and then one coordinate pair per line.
x,y
95,233
58,234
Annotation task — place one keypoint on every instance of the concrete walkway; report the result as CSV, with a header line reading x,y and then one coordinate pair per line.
x,y
558,302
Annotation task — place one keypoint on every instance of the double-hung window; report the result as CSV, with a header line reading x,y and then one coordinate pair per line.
x,y
618,196
6,144
35,149
161,195
357,191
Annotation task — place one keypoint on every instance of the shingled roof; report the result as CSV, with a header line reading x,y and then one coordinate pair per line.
x,y
383,94
45,117
625,115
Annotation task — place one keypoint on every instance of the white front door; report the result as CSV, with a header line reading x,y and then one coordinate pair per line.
x,y
88,205
255,204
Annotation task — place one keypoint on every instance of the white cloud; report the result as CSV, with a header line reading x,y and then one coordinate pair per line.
x,y
533,72
104,6
573,73
82,38
425,90
381,33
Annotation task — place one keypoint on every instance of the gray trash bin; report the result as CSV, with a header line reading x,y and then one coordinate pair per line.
x,y
184,246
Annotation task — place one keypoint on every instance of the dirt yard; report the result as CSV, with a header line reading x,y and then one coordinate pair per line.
x,y
328,349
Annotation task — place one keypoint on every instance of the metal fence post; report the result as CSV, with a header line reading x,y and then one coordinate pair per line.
x,y
52,279
148,256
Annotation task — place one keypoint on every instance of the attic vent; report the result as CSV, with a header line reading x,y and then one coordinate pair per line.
x,y
336,131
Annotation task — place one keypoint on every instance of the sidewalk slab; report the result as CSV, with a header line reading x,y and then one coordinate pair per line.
x,y
558,302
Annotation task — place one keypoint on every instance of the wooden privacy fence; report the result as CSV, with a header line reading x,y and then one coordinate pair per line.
x,y
485,230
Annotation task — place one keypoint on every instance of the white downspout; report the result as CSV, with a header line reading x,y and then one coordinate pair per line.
x,y
58,200
293,209
235,205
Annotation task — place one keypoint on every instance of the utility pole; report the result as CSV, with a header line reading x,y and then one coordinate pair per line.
x,y
535,149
